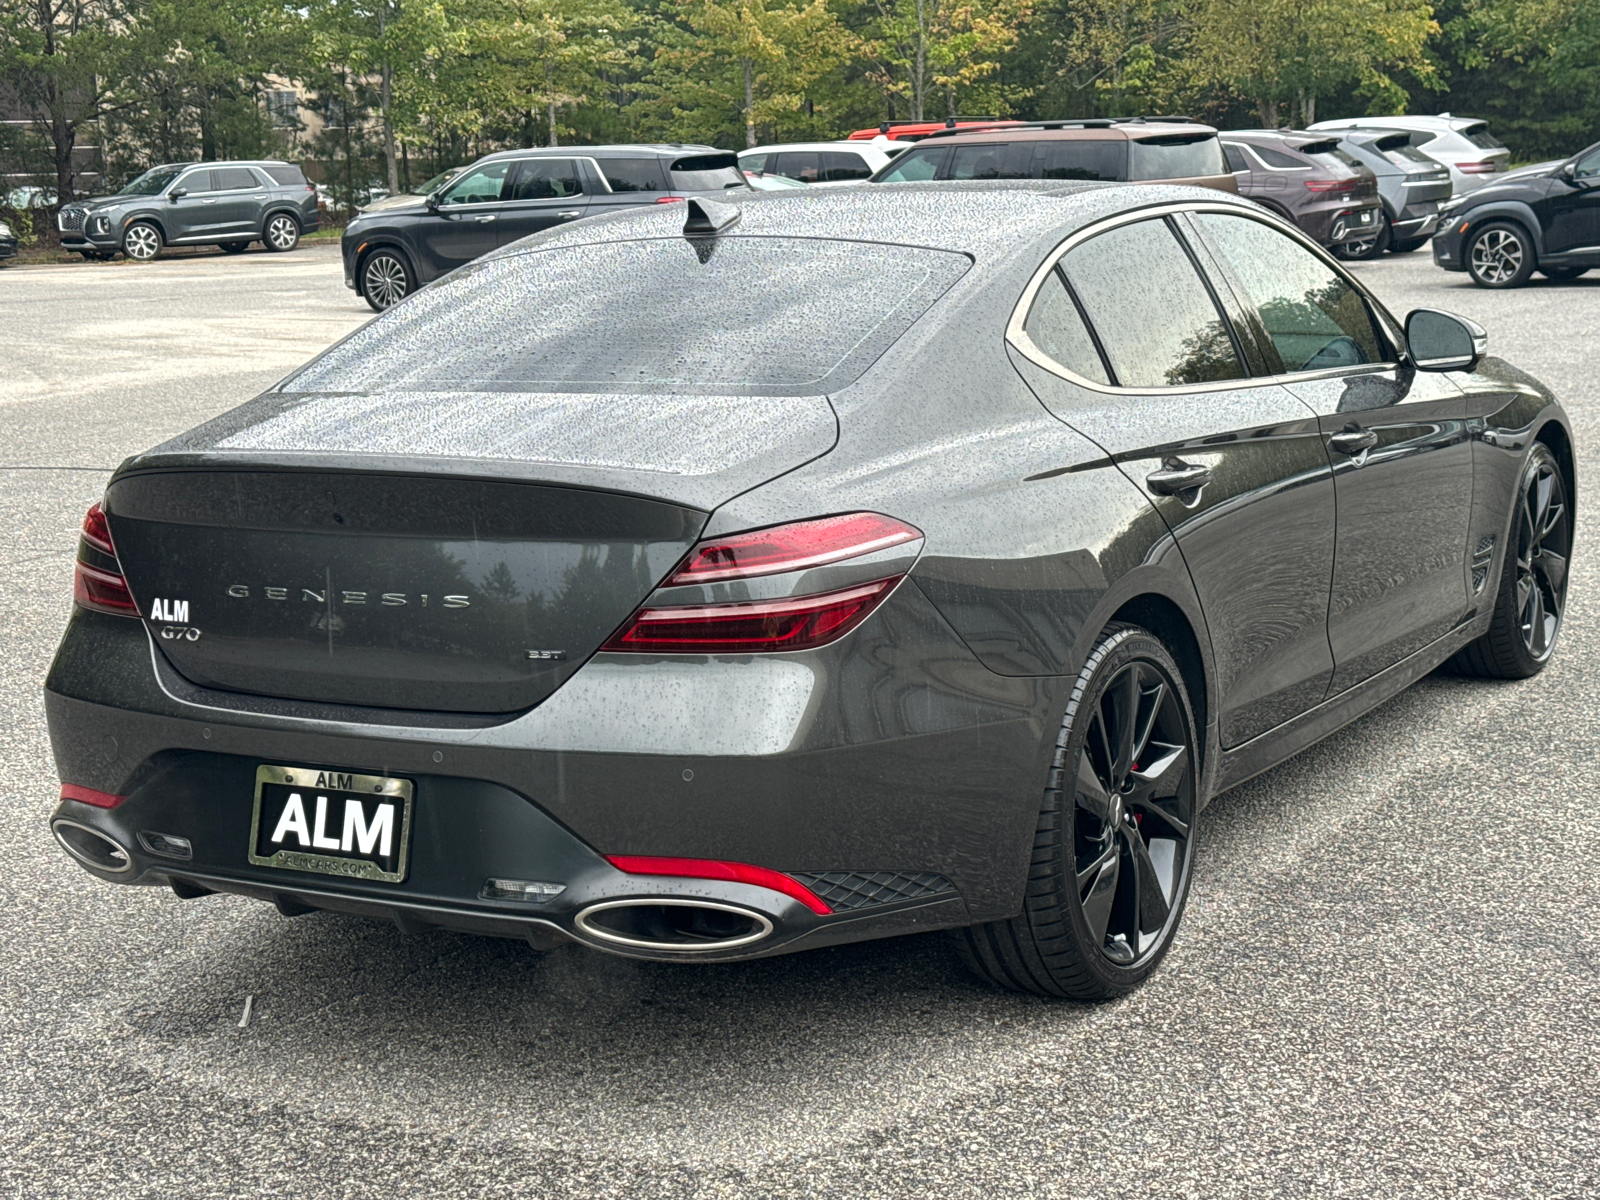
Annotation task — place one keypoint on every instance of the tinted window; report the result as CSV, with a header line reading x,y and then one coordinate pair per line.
x,y
287,176
233,179
1073,158
1409,156
1235,157
707,173
633,174
1480,137
546,179
753,162
768,315
991,162
1152,313
1177,158
795,164
478,185
1277,158
914,166
1315,319
1334,159
839,165
1588,166
1055,326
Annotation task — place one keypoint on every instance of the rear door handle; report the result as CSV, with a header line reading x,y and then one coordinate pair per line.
x,y
1177,476
570,213
482,218
1353,440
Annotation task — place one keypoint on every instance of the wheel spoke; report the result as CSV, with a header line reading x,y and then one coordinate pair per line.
x,y
1160,777
1153,699
1089,792
1553,567
1125,708
1153,906
1149,806
1097,890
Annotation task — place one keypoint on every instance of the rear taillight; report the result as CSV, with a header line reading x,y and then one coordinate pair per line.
x,y
86,795
838,570
669,199
1476,168
1331,185
97,581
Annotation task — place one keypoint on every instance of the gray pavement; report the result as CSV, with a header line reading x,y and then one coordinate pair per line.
x,y
1388,980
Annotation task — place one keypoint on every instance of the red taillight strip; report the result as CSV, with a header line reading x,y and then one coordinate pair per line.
x,y
792,547
102,591
732,872
96,531
792,623
84,795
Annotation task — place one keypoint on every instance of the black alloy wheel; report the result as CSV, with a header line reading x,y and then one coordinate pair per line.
x,y
385,279
1561,274
1115,839
282,233
1500,256
235,247
1532,594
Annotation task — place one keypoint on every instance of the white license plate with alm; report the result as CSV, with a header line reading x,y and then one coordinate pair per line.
x,y
331,823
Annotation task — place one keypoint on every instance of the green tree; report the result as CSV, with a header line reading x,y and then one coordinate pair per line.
x,y
928,48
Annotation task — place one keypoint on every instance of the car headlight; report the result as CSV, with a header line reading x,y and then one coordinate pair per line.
x,y
100,223
5,230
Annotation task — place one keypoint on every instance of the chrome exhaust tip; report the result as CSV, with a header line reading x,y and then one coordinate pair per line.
x,y
92,848
681,926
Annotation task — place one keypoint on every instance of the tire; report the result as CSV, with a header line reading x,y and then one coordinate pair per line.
x,y
1408,246
98,255
1363,251
1500,255
281,234
1561,274
1096,825
386,279
1531,594
235,247
141,242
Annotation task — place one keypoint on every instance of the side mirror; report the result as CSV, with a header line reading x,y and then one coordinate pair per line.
x,y
177,194
431,202
1441,341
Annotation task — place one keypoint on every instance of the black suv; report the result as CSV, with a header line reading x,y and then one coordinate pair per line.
x,y
227,204
391,252
1543,218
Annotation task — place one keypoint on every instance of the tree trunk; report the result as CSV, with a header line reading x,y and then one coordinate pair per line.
x,y
749,105
385,102
1269,112
1308,111
555,138
922,64
63,133
950,99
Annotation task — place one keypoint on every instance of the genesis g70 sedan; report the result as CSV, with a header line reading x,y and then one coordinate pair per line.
x,y
710,581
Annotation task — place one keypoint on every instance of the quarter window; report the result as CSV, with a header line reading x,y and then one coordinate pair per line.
x,y
480,185
634,174
1153,314
1277,158
1315,317
1055,326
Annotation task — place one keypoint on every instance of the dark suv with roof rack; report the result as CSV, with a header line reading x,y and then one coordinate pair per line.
x,y
391,252
227,204
1164,149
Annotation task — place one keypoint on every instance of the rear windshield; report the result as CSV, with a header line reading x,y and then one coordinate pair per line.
x,y
288,176
706,173
1334,159
1408,156
1104,159
1183,157
776,316
1480,137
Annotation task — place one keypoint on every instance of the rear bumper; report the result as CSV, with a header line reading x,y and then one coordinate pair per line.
x,y
767,760
1337,221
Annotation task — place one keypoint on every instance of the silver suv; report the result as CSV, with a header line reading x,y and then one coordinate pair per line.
x,y
227,204
1463,145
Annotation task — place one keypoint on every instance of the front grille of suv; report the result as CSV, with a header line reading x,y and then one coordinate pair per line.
x,y
71,220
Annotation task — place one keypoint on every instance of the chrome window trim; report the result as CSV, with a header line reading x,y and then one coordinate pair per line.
x,y
1017,336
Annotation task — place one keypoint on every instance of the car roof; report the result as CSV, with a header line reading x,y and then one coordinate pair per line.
x,y
779,147
1089,130
621,150
1444,121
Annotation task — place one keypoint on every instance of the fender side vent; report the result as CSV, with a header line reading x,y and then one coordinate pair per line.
x,y
1481,558
848,890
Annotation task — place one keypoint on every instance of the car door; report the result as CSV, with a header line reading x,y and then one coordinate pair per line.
x,y
462,224
541,194
1397,438
626,182
1572,210
1159,378
193,214
240,201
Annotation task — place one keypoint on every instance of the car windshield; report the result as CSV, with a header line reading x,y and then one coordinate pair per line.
x,y
768,315
437,182
152,183
1409,157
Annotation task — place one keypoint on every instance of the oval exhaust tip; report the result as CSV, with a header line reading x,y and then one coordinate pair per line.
x,y
91,847
684,926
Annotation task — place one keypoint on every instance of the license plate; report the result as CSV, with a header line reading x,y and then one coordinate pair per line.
x,y
1364,217
331,823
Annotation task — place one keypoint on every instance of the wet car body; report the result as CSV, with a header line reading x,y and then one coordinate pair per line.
x,y
396,578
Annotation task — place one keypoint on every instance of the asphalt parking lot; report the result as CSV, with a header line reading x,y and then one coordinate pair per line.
x,y
1388,981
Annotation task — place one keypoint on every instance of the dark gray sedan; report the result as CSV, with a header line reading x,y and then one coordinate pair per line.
x,y
715,581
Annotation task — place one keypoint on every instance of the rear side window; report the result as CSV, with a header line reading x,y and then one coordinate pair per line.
x,y
1150,309
546,179
1315,319
1177,158
1103,159
1055,326
634,174
285,175
1278,158
1235,157
706,173
233,179
991,162
767,315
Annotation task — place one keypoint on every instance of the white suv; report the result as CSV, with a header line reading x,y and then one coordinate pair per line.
x,y
821,162
1463,144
